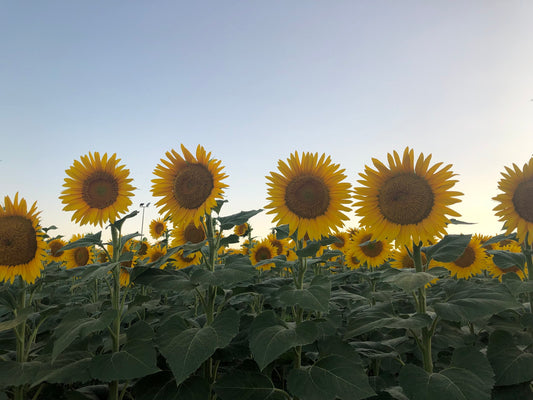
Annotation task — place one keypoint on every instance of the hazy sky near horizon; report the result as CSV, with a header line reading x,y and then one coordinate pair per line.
x,y
254,81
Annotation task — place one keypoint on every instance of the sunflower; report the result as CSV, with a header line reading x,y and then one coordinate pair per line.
x,y
368,249
308,194
155,252
189,233
242,229
280,245
124,277
97,189
497,272
79,256
157,228
55,254
472,262
189,186
406,201
139,247
263,250
515,206
343,240
183,261
22,247
401,258
350,258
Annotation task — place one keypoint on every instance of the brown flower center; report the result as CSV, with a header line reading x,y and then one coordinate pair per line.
x,y
81,256
143,248
514,269
523,200
340,244
307,196
194,234
263,253
467,258
159,228
18,240
277,245
100,190
156,255
55,248
192,185
373,248
406,199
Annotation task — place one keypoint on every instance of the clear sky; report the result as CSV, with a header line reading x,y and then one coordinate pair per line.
x,y
253,81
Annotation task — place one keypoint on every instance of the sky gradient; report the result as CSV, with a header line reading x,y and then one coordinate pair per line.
x,y
255,81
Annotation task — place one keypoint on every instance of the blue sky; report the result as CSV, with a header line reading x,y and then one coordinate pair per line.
x,y
253,81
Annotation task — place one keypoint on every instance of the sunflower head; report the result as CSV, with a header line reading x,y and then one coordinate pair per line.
x,y
155,252
309,195
407,200
189,233
189,186
263,250
368,249
158,227
183,261
472,262
22,247
54,250
97,189
242,229
78,256
515,206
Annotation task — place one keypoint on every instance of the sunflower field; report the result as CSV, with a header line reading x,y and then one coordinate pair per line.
x,y
392,309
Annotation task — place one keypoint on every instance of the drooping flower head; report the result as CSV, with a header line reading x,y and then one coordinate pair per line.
x,y
55,254
188,186
97,189
22,247
309,195
407,201
368,249
515,206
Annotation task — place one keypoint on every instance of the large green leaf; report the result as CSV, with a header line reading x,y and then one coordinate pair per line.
x,y
76,326
331,377
224,276
448,249
13,373
470,301
68,368
511,365
271,337
469,377
363,323
410,280
162,386
314,297
186,351
20,318
136,359
505,259
86,241
161,279
247,385
236,219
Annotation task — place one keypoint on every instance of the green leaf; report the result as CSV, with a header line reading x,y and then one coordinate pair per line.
x,y
271,337
469,377
118,224
161,279
499,238
410,280
516,285
313,298
224,276
23,316
282,231
510,364
448,249
186,351
236,219
470,301
162,386
68,368
86,241
331,377
13,373
75,327
247,385
361,324
505,259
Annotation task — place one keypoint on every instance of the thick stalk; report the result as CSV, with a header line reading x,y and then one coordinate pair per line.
x,y
115,304
299,312
526,250
20,333
425,343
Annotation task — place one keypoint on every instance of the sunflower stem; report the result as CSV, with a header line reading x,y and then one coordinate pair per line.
x,y
20,331
115,303
526,250
425,343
